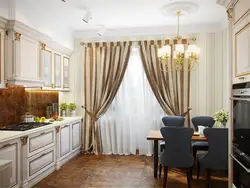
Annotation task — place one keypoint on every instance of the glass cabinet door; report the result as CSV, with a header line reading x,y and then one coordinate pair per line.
x,y
57,70
65,72
47,68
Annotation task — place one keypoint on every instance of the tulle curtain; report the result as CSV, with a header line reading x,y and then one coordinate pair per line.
x,y
132,114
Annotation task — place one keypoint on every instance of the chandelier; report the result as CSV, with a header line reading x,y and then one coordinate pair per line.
x,y
183,59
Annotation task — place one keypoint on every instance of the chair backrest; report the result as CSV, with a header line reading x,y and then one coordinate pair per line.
x,y
177,121
206,121
217,156
177,153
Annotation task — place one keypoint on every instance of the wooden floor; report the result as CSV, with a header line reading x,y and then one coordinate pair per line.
x,y
119,172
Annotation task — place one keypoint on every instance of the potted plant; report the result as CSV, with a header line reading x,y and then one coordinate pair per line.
x,y
72,108
63,108
221,117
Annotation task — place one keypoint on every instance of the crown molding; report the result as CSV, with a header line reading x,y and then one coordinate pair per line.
x,y
27,31
3,22
227,3
146,32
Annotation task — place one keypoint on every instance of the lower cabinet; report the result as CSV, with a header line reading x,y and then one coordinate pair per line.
x,y
11,151
64,140
76,135
36,155
68,142
39,163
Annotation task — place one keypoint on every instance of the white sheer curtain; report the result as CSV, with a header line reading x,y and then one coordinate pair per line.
x,y
132,114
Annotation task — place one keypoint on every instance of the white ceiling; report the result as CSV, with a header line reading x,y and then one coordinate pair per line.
x,y
60,20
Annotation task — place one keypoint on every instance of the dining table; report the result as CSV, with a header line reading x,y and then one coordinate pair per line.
x,y
156,136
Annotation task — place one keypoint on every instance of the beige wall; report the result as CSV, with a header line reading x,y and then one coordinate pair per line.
x,y
209,81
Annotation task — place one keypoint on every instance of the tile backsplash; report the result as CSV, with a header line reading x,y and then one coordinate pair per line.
x,y
15,101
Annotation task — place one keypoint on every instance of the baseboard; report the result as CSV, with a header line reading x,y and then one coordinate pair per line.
x,y
69,157
40,177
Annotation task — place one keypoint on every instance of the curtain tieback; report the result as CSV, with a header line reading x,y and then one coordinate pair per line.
x,y
90,114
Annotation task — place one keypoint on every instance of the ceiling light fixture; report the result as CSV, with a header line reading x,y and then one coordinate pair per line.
x,y
87,17
180,53
101,31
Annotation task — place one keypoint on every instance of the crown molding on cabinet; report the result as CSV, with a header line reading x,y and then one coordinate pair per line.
x,y
227,3
25,30
3,22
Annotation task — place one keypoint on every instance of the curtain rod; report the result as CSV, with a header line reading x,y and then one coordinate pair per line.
x,y
192,39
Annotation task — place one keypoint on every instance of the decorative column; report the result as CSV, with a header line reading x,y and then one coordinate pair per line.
x,y
17,54
42,59
58,164
24,164
230,102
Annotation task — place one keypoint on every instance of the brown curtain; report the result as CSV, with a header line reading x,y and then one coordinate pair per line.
x,y
104,68
171,88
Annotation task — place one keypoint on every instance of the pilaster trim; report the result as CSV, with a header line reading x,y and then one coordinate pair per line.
x,y
24,140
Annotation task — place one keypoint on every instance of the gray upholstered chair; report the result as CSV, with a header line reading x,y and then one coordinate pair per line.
x,y
177,152
217,156
171,121
206,121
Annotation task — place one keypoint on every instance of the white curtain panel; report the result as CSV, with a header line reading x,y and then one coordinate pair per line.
x,y
132,114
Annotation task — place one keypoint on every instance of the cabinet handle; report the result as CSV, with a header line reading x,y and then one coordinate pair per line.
x,y
5,145
44,154
42,133
241,78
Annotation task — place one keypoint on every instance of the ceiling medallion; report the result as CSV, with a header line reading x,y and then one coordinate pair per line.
x,y
185,7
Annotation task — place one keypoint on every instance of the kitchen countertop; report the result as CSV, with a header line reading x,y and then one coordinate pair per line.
x,y
9,135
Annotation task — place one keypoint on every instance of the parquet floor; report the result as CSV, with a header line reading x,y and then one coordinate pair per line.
x,y
114,171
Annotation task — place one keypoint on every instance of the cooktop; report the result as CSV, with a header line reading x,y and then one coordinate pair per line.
x,y
23,126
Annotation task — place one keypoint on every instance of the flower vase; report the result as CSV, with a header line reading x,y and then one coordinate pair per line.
x,y
63,113
73,113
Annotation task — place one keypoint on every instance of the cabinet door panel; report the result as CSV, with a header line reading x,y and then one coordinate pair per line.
x,y
241,51
64,140
47,68
40,162
10,152
40,141
76,135
65,72
58,70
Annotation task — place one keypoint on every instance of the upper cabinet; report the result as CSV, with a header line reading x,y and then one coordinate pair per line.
x,y
241,42
33,59
55,68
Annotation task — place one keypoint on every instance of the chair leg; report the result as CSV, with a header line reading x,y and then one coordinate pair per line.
x,y
208,177
160,169
165,180
194,153
198,170
189,174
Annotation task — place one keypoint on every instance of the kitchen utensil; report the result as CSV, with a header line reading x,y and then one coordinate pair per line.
x,y
27,118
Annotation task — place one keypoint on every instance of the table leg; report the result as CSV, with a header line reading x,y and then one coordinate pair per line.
x,y
155,158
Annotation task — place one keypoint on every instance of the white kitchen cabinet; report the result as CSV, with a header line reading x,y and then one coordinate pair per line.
x,y
2,58
11,151
40,141
47,68
64,140
40,162
76,135
241,46
68,142
57,70
65,72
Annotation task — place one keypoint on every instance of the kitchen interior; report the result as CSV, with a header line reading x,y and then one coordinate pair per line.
x,y
41,119
39,129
